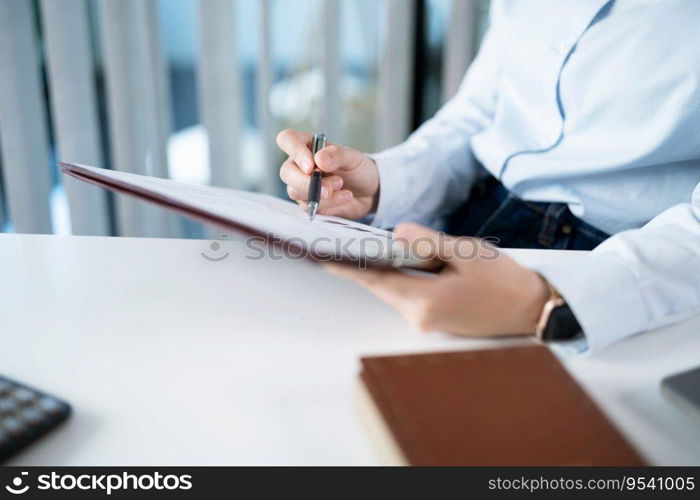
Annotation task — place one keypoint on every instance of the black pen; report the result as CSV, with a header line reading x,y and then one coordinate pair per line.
x,y
314,198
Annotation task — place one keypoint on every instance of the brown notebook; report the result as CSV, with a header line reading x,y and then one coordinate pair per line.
x,y
510,406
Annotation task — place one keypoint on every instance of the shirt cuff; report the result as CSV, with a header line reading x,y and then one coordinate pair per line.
x,y
603,295
392,187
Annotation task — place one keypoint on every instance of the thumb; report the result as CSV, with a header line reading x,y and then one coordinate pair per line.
x,y
427,244
336,157
423,242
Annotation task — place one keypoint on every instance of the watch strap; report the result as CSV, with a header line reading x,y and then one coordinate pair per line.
x,y
562,324
557,320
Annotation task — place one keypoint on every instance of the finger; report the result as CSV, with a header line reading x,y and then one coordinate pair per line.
x,y
333,182
335,200
425,243
389,285
302,195
296,144
292,175
329,206
329,188
334,157
296,194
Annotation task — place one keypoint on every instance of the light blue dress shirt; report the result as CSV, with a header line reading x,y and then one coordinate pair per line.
x,y
593,103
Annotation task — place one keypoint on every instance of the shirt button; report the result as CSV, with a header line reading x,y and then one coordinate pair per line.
x,y
566,229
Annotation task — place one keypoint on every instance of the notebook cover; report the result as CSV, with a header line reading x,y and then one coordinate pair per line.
x,y
510,406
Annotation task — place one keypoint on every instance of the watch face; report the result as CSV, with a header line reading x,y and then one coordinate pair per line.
x,y
562,324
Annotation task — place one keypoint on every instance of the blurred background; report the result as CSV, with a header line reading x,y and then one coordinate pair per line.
x,y
196,91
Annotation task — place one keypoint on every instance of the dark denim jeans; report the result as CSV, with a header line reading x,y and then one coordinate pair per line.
x,y
492,211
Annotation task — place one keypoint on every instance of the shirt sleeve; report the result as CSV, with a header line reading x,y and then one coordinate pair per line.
x,y
637,280
430,174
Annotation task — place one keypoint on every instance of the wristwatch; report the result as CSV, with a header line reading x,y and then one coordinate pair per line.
x,y
557,321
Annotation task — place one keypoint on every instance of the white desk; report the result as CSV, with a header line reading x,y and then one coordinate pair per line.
x,y
170,359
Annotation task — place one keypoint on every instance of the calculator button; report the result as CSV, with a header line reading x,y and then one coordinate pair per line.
x,y
8,405
49,405
25,414
12,425
32,416
24,395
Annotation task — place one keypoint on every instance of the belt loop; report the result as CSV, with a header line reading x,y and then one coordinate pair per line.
x,y
550,224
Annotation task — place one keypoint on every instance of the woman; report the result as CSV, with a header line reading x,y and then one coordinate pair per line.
x,y
576,127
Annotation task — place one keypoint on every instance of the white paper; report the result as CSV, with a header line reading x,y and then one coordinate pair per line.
x,y
325,235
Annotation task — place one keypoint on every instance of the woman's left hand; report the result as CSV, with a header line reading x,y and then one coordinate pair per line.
x,y
480,292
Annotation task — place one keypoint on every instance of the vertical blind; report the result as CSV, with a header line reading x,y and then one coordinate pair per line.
x,y
138,114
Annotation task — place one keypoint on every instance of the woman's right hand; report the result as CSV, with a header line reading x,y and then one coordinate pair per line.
x,y
350,186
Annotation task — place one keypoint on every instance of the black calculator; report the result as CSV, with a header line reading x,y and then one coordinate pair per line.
x,y
25,415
